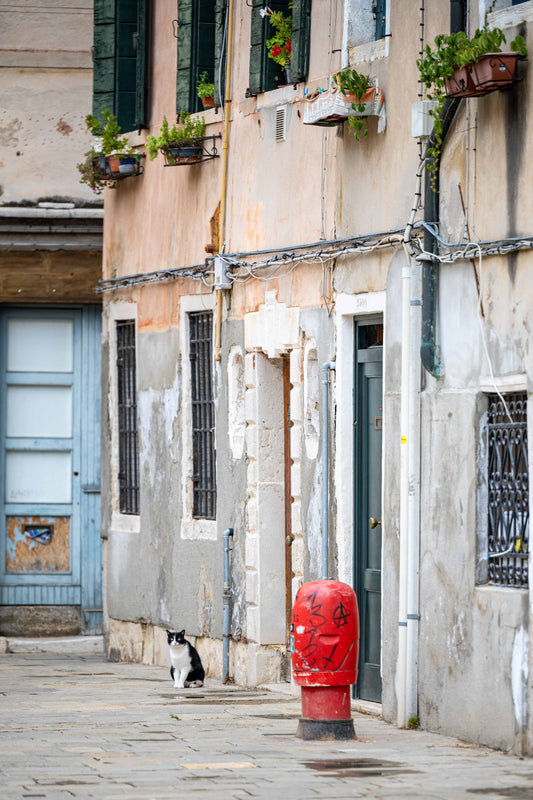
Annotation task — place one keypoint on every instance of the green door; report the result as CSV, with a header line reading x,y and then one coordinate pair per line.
x,y
368,405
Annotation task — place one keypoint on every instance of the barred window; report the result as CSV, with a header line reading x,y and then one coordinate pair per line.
x,y
128,455
203,415
508,500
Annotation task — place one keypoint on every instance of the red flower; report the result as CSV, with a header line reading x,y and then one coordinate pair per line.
x,y
288,46
276,50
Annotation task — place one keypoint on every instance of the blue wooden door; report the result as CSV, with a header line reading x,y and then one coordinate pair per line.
x,y
50,431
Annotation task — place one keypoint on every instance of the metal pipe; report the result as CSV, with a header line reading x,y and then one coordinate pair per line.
x,y
329,365
428,346
226,607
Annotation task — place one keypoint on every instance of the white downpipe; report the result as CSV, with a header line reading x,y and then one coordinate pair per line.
x,y
413,503
407,675
404,494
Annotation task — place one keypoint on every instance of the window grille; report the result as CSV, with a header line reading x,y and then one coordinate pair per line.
x,y
128,455
508,501
203,416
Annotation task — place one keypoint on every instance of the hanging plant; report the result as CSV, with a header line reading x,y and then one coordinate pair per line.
x,y
440,63
351,82
95,170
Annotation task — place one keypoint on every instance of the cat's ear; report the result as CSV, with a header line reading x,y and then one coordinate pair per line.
x,y
182,633
168,633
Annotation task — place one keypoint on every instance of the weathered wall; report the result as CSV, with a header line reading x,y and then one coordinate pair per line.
x,y
473,639
45,62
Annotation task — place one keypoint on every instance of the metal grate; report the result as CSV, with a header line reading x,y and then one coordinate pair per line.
x,y
203,416
508,491
128,455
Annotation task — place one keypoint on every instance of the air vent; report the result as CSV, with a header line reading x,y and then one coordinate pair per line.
x,y
281,123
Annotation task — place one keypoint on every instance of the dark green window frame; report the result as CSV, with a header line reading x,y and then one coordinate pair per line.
x,y
201,26
120,61
265,74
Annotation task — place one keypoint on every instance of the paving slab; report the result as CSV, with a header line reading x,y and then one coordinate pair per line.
x,y
74,726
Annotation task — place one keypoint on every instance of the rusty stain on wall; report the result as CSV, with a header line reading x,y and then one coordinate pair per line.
x,y
26,555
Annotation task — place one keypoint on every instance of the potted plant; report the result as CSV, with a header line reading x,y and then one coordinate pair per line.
x,y
459,66
279,45
180,144
110,158
206,91
354,86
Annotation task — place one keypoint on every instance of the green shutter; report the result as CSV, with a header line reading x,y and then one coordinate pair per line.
x,y
104,57
257,49
220,50
142,62
205,46
301,37
265,74
126,66
184,77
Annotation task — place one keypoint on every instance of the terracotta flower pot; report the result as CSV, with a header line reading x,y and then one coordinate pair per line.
x,y
460,84
494,71
208,102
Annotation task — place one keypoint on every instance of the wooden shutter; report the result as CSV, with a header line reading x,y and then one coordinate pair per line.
x,y
142,62
220,51
104,57
257,49
126,67
265,74
205,46
184,77
196,50
301,37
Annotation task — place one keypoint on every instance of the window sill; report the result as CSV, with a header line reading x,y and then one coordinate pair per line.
x,y
513,15
371,51
273,97
125,523
199,529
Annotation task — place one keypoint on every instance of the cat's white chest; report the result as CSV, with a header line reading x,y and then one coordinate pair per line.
x,y
179,657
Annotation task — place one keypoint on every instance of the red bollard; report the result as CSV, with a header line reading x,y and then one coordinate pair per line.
x,y
325,649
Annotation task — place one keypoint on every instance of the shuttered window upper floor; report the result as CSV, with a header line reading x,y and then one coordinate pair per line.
x,y
120,60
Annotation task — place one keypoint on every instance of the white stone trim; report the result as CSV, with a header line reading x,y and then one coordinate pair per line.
x,y
503,384
236,402
191,528
507,17
121,310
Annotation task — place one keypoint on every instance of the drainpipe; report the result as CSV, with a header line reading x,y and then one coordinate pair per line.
x,y
226,608
224,189
428,346
329,365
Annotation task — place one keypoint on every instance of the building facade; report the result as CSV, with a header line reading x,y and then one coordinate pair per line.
x,y
305,343
51,231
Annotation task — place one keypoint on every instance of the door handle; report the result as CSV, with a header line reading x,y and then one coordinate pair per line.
x,y
373,522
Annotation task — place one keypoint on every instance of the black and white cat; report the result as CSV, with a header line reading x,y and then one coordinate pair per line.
x,y
186,669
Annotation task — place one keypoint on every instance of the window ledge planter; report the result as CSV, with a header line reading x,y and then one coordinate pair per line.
x,y
332,107
191,151
119,165
492,72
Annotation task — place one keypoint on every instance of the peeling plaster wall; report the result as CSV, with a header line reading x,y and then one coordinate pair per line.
x,y
45,62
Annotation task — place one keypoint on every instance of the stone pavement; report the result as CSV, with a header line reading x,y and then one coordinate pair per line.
x,y
74,726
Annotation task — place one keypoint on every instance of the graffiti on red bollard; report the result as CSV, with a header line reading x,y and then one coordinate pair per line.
x,y
325,649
